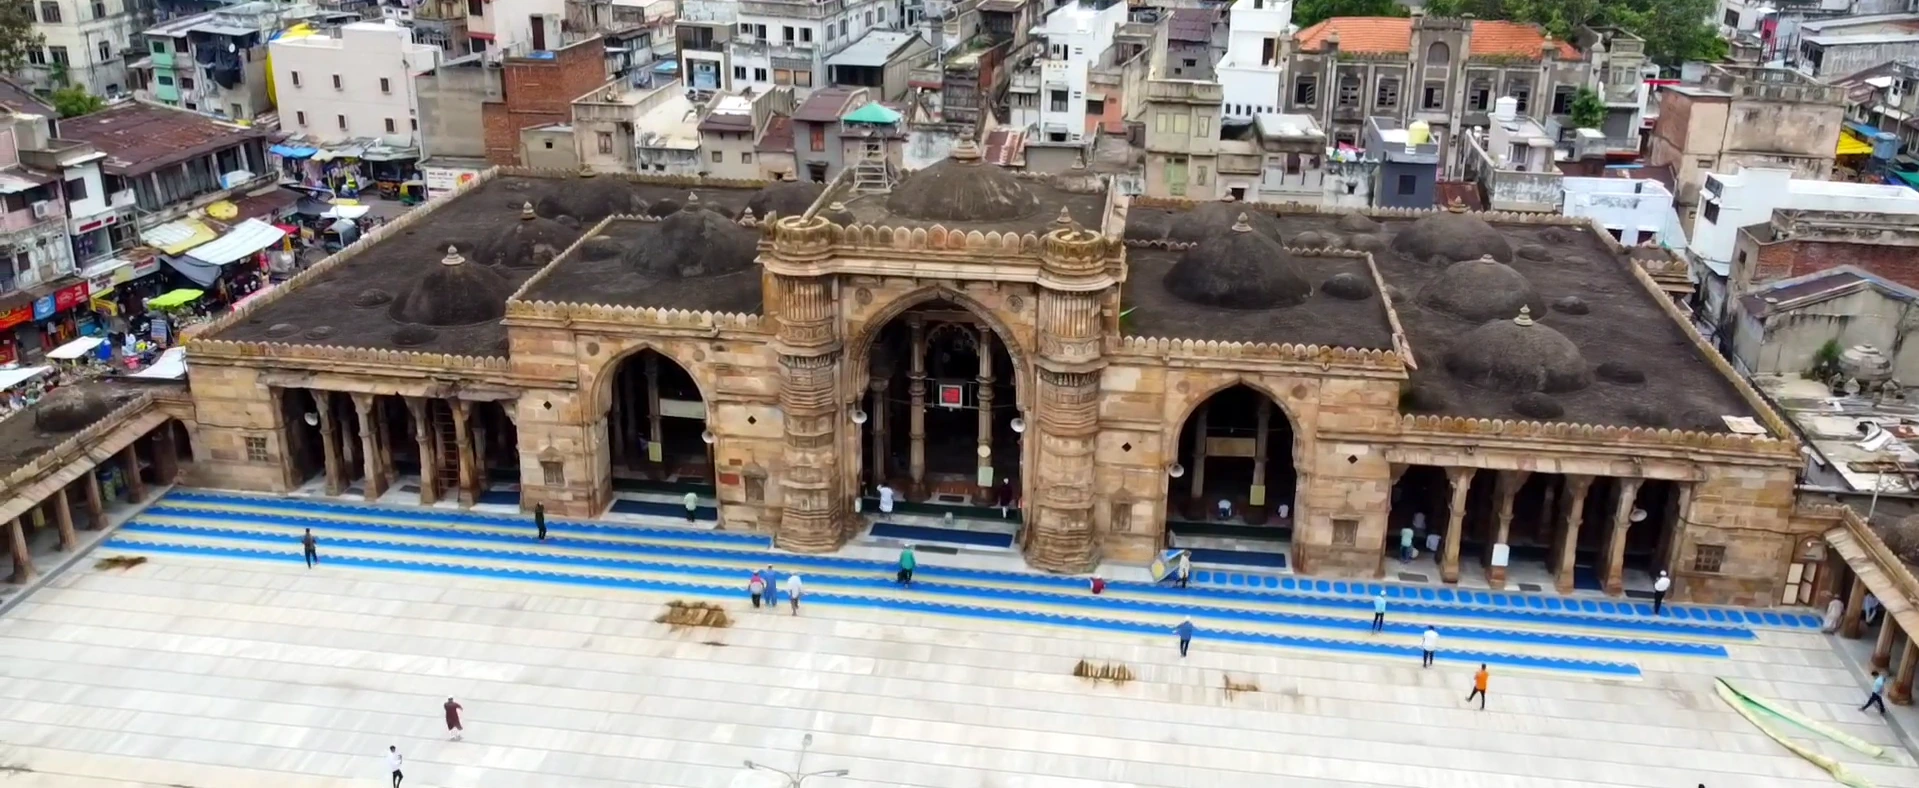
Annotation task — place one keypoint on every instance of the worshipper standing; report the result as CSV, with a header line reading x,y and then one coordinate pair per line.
x,y
1185,632
756,586
1835,610
886,499
1659,589
393,763
1428,645
539,520
692,505
793,590
1379,612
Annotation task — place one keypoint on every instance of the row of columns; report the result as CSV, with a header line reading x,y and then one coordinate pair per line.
x,y
375,452
627,429
1852,625
917,386
95,503
1566,521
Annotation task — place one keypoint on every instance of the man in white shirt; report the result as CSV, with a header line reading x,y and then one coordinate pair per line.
x,y
886,499
793,590
1428,643
393,761
1659,589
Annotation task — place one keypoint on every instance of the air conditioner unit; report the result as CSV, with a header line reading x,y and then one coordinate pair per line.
x,y
42,209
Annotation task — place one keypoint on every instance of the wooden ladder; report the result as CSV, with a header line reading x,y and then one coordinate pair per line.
x,y
449,459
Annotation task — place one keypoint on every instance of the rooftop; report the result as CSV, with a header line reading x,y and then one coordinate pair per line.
x,y
1394,35
826,105
58,416
1862,441
139,137
17,99
778,135
671,124
967,192
873,49
1192,25
697,260
1862,30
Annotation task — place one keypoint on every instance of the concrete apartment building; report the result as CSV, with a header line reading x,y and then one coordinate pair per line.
x,y
1052,98
1741,116
86,44
1886,97
355,84
514,27
1254,65
472,110
1833,48
1633,210
882,60
731,134
788,42
215,62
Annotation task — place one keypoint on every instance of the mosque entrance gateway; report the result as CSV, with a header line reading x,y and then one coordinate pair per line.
x,y
940,409
1231,493
656,427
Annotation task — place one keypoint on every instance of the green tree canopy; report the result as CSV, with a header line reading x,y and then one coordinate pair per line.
x,y
17,36
1675,30
1588,109
73,101
1310,12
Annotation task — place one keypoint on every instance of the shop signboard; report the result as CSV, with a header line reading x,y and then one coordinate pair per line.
x,y
441,180
43,308
70,297
16,316
145,267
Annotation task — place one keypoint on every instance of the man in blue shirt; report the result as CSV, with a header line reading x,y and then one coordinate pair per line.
x,y
1379,612
1185,632
1875,699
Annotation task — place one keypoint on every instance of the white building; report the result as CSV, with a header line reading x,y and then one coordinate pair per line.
x,y
515,27
787,42
85,40
1074,37
356,85
1255,62
1633,210
1728,202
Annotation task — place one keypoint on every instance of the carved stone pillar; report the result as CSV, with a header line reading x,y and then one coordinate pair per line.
x,y
985,402
1852,623
916,389
1059,534
1461,480
655,434
463,444
1901,692
1613,561
364,406
329,441
1256,507
812,511
1197,490
96,503
1506,487
1882,647
130,462
63,519
23,571
422,413
1567,549
166,455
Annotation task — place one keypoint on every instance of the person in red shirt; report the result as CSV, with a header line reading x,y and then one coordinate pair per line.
x,y
1099,585
453,719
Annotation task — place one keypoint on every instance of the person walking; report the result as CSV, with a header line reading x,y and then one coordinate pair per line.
x,y
393,762
1406,544
1429,645
692,505
886,499
1659,589
1098,585
1835,610
908,562
1479,687
1185,632
310,545
539,520
453,720
1379,613
793,590
1877,698
1184,572
756,586
772,588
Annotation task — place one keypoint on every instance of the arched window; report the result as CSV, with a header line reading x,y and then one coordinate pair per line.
x,y
1438,54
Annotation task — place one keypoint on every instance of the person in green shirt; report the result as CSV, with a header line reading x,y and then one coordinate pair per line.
x,y
908,562
692,505
1406,543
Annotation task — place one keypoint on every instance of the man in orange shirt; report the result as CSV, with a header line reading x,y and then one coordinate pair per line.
x,y
1479,687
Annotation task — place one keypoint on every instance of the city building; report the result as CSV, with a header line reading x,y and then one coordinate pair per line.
x,y
1621,68
1633,210
173,160
829,137
1513,161
1745,117
1783,327
1833,48
85,43
440,24
473,109
1253,68
732,132
788,42
1180,117
1052,97
515,28
215,62
1885,98
882,60
355,85
1404,164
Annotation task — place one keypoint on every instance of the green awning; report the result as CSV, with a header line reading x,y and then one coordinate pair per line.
x,y
871,112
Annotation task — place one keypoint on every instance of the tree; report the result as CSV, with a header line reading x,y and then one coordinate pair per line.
x,y
1588,109
17,36
1675,30
1311,12
74,100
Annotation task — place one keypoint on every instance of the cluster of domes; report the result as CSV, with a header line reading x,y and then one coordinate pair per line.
x,y
1518,355
1241,269
695,243
590,198
457,292
785,198
963,188
1452,236
1216,220
531,242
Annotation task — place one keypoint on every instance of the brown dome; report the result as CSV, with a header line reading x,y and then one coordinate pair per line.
x,y
71,408
531,242
963,189
695,243
1215,220
454,293
1242,270
1518,355
1480,290
592,197
1453,235
786,198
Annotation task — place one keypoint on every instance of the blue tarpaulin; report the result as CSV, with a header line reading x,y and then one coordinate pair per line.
x,y
292,151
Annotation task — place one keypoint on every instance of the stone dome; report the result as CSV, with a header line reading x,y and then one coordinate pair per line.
x,y
786,198
531,242
963,189
71,409
1215,220
1518,355
1453,235
1480,290
1242,270
1145,225
454,293
695,243
592,197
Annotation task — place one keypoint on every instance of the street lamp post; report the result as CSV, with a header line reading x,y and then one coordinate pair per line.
x,y
798,778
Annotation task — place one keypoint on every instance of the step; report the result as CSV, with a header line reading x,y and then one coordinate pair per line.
x,y
202,502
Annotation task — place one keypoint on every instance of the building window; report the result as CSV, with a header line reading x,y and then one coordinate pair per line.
x,y
1707,558
786,34
1434,95
413,124
739,73
340,119
1439,54
1056,100
390,126
1122,517
295,75
759,75
36,56
386,85
77,189
806,35
1306,90
1521,92
57,56
553,473
746,157
337,84
803,79
50,13
1479,95
236,111
1348,90
782,77
816,136
186,83
1203,127
475,8
1710,211
99,10
719,157
257,450
1408,185
106,51
606,142
1563,99
163,80
1386,96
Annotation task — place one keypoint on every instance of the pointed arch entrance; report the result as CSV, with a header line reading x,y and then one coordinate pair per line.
x,y
658,443
1233,487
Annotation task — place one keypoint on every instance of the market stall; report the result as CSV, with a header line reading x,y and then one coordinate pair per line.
x,y
76,350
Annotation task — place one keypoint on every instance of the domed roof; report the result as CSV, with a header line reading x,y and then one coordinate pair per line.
x,y
1241,270
454,293
1216,220
592,197
695,243
1480,290
531,242
786,198
1518,355
71,408
1453,235
962,189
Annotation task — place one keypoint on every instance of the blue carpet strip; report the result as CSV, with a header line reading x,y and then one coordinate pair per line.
x,y
921,533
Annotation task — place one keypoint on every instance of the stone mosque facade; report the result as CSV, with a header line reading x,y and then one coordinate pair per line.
x,y
1517,383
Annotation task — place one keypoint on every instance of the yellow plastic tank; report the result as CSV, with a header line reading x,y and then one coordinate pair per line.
x,y
1419,133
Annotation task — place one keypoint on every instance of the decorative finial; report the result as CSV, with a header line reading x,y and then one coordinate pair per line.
x,y
967,150
587,171
1525,317
1486,258
1241,225
692,198
452,256
1456,206
1065,216
836,207
747,216
526,212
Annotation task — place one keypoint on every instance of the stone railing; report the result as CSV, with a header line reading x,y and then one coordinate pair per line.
x,y
1454,427
65,451
1322,356
1895,569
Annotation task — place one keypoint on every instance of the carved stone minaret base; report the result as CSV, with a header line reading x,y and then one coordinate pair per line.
x,y
1060,533
812,510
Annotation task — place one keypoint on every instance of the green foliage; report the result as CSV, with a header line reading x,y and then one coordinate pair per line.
x,y
73,101
1825,362
1675,30
1588,109
17,36
1310,12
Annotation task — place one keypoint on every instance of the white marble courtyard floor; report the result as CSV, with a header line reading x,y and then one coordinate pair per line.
x,y
211,673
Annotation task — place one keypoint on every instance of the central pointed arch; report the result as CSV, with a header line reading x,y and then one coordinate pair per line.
x,y
1235,440
655,412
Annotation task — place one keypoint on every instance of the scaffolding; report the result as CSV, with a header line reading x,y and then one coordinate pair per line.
x,y
873,174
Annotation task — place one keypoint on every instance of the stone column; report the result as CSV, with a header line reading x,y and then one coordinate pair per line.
x,y
166,456
1852,623
1548,509
916,388
1059,534
1902,679
1256,503
130,461
329,441
1567,547
23,571
463,444
876,421
63,518
1613,563
363,405
984,399
1197,487
1461,480
96,505
655,433
1882,647
421,411
1672,531
1506,487
812,507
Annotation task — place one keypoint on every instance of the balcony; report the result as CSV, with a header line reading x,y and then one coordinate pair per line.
x,y
1185,91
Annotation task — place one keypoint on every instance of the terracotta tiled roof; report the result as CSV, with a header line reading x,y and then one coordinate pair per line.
x,y
778,136
1387,35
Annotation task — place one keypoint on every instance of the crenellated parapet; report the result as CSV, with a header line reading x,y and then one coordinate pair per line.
x,y
1458,427
1323,358
335,356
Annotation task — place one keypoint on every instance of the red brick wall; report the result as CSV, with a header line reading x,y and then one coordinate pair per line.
x,y
538,92
1787,259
